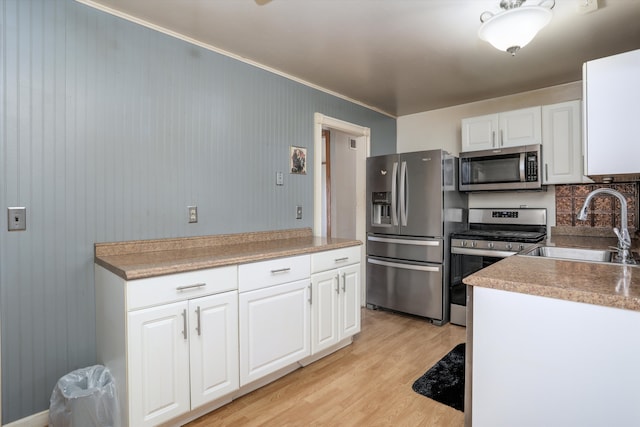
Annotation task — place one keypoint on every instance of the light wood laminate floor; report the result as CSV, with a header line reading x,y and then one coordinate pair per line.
x,y
365,384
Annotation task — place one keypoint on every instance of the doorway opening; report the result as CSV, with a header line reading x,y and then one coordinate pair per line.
x,y
343,213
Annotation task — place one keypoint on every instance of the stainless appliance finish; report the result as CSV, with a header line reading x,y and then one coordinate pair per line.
x,y
493,234
412,207
513,168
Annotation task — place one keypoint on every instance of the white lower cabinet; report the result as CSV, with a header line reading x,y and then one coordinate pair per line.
x,y
158,364
181,356
178,342
274,329
174,351
274,316
335,308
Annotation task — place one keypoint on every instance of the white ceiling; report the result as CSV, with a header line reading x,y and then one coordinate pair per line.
x,y
397,56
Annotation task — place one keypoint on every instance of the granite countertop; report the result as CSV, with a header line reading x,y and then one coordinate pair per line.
x,y
610,285
148,258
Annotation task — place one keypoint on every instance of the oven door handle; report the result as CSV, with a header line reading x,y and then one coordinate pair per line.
x,y
482,252
404,266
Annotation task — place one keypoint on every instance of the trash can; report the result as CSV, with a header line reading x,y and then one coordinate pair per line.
x,y
85,397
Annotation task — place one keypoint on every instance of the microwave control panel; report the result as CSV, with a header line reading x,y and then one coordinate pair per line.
x,y
531,166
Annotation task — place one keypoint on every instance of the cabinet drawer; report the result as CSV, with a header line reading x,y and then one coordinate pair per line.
x,y
336,258
181,286
263,274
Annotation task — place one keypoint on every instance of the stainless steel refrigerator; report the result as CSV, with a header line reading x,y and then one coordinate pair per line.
x,y
413,205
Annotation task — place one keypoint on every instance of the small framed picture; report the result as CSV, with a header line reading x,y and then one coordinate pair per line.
x,y
298,160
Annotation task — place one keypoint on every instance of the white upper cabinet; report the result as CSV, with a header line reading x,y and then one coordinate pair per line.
x,y
612,107
507,129
562,143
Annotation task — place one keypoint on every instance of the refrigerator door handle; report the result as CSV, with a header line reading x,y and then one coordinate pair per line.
x,y
433,269
404,241
394,194
404,202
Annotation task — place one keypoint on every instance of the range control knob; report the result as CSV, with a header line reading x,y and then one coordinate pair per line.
x,y
474,244
509,246
463,243
490,245
521,246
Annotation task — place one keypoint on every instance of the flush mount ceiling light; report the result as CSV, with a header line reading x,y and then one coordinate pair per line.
x,y
516,25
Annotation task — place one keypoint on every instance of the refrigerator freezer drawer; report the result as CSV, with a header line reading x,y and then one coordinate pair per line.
x,y
402,247
414,288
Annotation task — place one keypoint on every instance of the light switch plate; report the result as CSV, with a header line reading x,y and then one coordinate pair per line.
x,y
279,178
17,218
298,212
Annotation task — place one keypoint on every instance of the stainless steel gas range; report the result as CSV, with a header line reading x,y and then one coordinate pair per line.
x,y
493,234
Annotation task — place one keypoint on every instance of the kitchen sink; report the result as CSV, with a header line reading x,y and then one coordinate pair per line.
x,y
577,254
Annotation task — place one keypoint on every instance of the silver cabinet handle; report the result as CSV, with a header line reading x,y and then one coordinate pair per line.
x,y
346,258
338,284
187,287
281,270
199,326
344,282
493,138
310,295
184,323
546,171
501,137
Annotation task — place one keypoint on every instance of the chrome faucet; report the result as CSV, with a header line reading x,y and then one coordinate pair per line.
x,y
624,240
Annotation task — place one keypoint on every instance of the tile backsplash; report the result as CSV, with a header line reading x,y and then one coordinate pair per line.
x,y
604,211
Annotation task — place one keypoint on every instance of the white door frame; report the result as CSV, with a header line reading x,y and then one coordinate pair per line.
x,y
321,121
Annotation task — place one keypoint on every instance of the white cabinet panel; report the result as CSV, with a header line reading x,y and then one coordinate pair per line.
x,y
350,301
257,275
325,311
520,127
501,130
180,286
337,258
335,311
274,329
158,364
213,326
612,107
562,143
479,133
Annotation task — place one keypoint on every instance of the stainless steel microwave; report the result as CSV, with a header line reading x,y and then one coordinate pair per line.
x,y
513,168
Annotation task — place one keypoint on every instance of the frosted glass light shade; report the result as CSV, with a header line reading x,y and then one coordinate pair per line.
x,y
515,28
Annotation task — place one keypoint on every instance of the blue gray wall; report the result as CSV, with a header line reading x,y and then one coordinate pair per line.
x,y
108,132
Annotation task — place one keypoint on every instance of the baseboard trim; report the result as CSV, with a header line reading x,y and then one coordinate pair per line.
x,y
40,419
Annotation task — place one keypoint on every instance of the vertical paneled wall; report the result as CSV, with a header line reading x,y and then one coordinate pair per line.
x,y
108,132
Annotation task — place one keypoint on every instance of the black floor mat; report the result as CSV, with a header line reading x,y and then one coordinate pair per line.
x,y
444,381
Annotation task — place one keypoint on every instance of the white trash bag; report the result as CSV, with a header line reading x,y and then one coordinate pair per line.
x,y
83,398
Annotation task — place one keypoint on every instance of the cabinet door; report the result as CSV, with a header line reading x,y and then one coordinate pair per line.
x,y
158,364
520,127
562,143
350,300
274,329
612,94
479,133
324,310
213,325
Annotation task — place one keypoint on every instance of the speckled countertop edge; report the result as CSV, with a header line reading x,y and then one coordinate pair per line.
x,y
608,285
141,259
